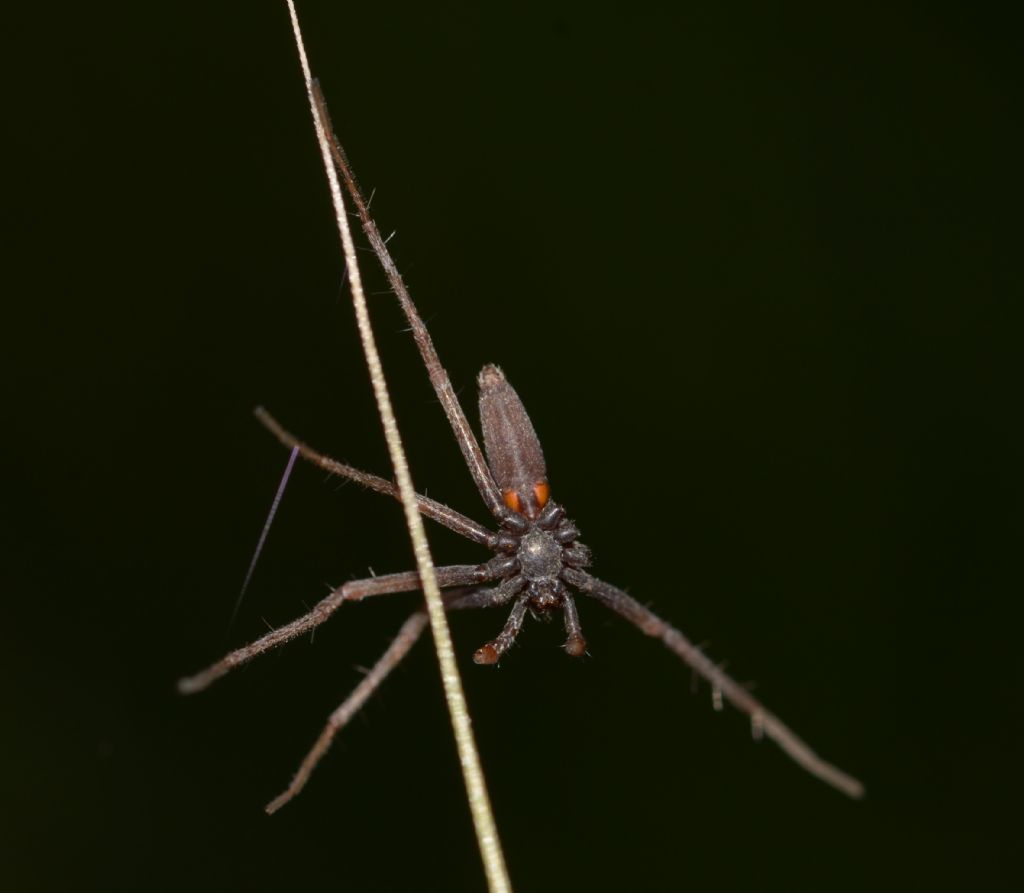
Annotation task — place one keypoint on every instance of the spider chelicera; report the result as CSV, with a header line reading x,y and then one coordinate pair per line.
x,y
538,560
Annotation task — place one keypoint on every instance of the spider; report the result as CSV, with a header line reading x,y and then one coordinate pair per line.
x,y
538,562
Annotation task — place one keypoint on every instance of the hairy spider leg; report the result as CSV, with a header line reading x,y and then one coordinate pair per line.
x,y
575,644
355,590
430,508
763,722
407,636
464,435
491,652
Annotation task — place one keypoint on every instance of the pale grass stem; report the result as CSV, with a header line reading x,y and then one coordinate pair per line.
x,y
469,759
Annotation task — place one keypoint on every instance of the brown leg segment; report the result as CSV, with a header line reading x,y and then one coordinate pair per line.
x,y
491,652
485,598
575,644
398,649
356,590
438,376
430,508
723,686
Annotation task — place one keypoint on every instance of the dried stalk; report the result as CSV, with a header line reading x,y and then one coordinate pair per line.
x,y
469,759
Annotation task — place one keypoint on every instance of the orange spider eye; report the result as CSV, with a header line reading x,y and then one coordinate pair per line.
x,y
541,491
512,501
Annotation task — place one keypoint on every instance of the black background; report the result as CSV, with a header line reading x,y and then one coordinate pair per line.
x,y
754,274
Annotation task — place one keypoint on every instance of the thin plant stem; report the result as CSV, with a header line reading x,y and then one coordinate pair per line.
x,y
469,759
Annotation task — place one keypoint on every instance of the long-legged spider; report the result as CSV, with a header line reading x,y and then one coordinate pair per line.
x,y
538,559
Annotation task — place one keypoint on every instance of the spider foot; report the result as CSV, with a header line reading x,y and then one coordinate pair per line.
x,y
491,652
576,645
488,655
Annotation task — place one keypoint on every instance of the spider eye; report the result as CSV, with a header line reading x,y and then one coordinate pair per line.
x,y
541,491
512,501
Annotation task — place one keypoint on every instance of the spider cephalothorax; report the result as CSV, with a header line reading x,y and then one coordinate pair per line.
x,y
541,552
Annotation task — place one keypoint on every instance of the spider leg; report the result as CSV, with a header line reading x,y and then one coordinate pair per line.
x,y
491,652
407,636
762,721
485,598
399,647
467,441
355,590
432,509
575,644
